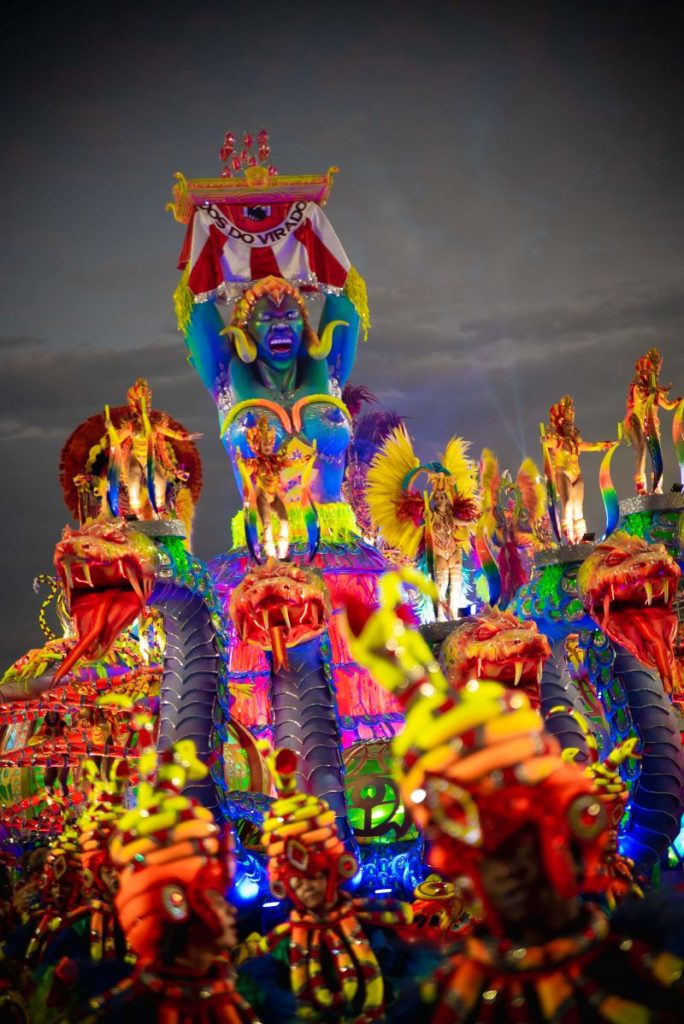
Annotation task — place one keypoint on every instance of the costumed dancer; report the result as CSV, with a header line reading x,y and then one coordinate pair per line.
x,y
435,523
512,526
265,469
335,974
174,866
564,444
645,397
497,803
141,455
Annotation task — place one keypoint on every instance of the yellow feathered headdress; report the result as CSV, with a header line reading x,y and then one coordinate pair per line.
x,y
397,509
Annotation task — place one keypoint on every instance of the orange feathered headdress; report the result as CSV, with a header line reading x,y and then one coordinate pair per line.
x,y
300,836
170,852
561,412
276,288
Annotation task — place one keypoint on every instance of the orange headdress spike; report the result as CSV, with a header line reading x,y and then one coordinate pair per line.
x,y
300,835
561,412
276,288
140,392
170,852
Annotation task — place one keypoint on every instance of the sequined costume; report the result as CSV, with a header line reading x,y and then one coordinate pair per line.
x,y
436,523
564,444
645,397
142,454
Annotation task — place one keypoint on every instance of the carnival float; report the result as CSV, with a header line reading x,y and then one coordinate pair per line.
x,y
364,595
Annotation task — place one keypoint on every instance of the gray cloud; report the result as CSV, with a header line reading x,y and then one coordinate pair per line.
x,y
511,190
10,341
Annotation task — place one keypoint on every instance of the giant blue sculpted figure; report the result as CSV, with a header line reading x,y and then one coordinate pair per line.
x,y
270,361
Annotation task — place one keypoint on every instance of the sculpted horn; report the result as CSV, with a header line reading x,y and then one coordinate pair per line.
x,y
244,346
319,348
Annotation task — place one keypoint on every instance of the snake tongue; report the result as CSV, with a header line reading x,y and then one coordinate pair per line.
x,y
647,633
278,648
99,616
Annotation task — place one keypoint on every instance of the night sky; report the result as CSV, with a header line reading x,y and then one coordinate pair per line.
x,y
511,189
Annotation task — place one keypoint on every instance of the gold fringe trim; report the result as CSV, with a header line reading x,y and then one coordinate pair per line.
x,y
356,292
336,519
182,301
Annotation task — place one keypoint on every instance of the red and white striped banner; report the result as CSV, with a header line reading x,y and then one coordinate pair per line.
x,y
228,246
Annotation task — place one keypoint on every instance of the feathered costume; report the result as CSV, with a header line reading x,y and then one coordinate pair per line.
x,y
434,522
511,525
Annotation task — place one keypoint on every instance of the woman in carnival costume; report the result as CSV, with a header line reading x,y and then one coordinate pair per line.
x,y
646,396
565,444
498,804
335,974
174,866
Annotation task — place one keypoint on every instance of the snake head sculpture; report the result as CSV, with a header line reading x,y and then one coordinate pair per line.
x,y
278,606
628,587
107,572
495,645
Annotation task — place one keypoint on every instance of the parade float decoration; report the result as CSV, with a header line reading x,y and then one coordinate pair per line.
x,y
433,524
496,645
157,647
614,602
141,620
260,259
249,623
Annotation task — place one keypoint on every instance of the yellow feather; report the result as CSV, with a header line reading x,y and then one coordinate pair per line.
x,y
185,510
462,469
532,490
489,491
489,479
384,492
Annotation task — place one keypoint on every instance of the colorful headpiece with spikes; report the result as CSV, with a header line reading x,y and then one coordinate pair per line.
x,y
300,836
648,364
477,765
561,413
276,288
140,392
170,853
